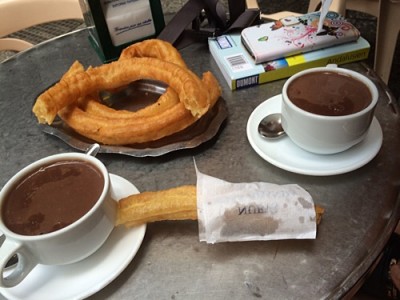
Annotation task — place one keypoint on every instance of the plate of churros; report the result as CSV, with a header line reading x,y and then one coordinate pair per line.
x,y
148,92
147,103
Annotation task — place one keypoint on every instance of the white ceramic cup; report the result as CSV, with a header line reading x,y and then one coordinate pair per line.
x,y
70,244
322,134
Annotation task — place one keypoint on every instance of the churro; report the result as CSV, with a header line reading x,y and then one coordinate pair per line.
x,y
173,204
74,98
179,203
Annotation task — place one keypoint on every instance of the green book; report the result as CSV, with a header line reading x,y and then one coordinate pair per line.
x,y
240,70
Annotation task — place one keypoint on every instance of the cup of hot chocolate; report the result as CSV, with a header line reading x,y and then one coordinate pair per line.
x,y
328,110
57,210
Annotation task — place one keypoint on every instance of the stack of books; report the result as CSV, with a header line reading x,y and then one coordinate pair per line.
x,y
240,70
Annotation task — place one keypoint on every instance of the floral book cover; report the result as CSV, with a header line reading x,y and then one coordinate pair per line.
x,y
296,34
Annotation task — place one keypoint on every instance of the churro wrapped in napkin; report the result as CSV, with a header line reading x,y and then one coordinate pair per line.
x,y
230,212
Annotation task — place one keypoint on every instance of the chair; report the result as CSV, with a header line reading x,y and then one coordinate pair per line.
x,y
16,15
387,13
368,6
386,39
274,16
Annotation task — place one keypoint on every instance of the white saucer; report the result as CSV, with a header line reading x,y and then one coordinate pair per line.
x,y
284,154
84,278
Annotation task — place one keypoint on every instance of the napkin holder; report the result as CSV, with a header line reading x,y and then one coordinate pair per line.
x,y
115,24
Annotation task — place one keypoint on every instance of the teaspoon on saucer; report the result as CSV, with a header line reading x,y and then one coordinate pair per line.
x,y
271,126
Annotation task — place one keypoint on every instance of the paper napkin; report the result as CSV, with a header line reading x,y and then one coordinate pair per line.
x,y
230,212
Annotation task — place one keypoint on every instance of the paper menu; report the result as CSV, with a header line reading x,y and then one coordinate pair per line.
x,y
128,20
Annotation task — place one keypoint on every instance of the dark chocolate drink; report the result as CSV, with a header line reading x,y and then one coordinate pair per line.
x,y
52,197
329,93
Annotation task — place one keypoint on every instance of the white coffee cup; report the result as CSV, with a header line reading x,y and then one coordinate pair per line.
x,y
70,244
322,134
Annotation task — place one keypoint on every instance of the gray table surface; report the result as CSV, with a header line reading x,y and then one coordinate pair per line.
x,y
362,207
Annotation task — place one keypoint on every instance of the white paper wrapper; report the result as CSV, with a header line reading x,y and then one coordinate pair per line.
x,y
324,10
229,212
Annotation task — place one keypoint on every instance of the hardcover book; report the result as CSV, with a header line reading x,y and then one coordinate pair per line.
x,y
240,70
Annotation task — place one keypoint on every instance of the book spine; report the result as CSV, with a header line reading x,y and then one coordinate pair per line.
x,y
295,65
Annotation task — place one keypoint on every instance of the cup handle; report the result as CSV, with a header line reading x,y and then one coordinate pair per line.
x,y
20,270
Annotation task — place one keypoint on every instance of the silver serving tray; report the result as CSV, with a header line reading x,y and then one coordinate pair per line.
x,y
148,91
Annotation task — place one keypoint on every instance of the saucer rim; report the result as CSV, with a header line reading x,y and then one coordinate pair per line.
x,y
137,232
272,105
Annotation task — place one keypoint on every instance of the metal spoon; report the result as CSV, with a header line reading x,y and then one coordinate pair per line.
x,y
271,126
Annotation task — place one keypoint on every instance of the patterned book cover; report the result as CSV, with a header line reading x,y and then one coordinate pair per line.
x,y
240,70
296,34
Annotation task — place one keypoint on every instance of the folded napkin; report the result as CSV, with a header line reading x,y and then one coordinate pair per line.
x,y
230,212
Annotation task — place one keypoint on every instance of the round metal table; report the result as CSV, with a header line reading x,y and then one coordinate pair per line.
x,y
361,207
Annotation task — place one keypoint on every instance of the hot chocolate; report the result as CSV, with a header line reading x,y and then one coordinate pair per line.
x,y
329,93
52,197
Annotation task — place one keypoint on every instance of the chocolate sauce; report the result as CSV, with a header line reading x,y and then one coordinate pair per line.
x,y
52,197
329,93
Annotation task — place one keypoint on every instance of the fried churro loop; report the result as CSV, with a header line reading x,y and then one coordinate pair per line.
x,y
74,97
156,49
148,48
191,91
